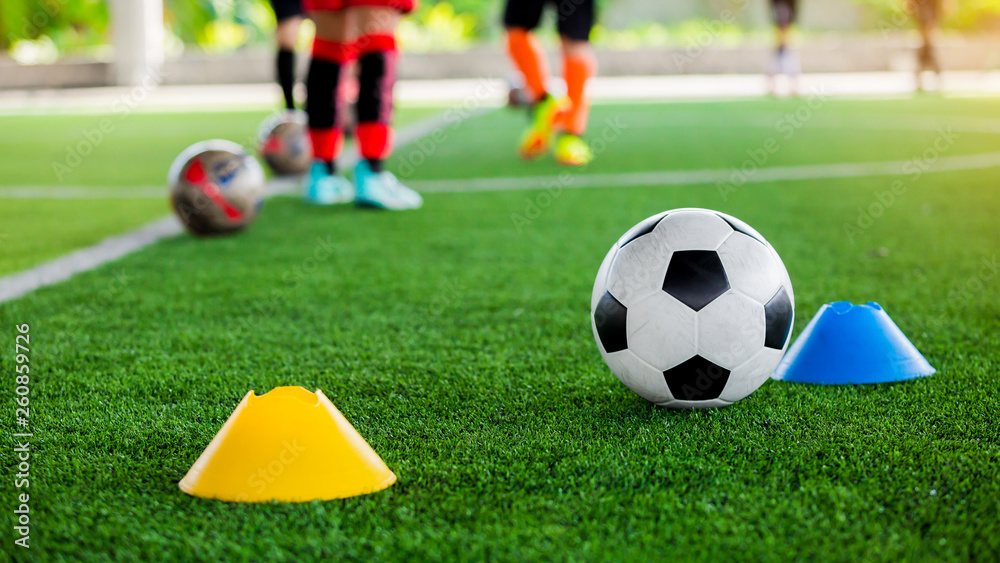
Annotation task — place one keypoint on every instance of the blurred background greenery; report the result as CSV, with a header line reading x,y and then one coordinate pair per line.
x,y
43,30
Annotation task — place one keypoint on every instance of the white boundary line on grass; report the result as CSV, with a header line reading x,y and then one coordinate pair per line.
x,y
81,192
274,187
112,248
620,179
16,285
428,126
708,176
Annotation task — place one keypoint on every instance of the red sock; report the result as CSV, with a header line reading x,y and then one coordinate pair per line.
x,y
374,140
326,143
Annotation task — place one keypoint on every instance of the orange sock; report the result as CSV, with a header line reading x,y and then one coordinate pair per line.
x,y
529,58
577,71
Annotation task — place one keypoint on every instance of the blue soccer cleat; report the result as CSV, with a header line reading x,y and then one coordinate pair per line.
x,y
382,190
323,188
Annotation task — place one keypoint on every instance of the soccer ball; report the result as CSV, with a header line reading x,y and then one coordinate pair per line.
x,y
215,187
692,309
284,143
517,95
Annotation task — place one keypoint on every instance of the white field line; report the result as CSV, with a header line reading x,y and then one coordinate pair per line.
x,y
428,126
274,187
568,180
112,248
16,285
709,176
81,192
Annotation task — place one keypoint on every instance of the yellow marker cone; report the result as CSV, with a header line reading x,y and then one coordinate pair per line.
x,y
288,445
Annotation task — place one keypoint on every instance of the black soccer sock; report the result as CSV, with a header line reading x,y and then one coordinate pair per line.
x,y
286,75
323,105
376,76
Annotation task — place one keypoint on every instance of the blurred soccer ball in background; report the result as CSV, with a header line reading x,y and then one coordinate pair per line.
x,y
216,187
284,143
517,94
692,308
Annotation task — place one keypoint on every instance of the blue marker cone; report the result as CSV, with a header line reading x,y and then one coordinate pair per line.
x,y
851,344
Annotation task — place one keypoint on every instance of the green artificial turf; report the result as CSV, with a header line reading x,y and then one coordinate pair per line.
x,y
654,137
458,344
135,152
32,231
120,149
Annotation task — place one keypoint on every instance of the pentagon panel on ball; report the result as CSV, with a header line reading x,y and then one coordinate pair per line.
x,y
692,308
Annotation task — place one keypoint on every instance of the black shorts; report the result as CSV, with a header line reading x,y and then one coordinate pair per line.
x,y
284,9
574,18
784,12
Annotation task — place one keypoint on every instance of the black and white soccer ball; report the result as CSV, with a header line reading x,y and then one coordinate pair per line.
x,y
692,308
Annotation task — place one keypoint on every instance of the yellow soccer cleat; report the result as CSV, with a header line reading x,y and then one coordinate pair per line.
x,y
571,150
535,141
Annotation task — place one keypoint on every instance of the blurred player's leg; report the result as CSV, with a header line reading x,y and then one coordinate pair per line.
x,y
529,58
377,57
785,62
575,21
520,18
289,15
579,67
332,50
927,13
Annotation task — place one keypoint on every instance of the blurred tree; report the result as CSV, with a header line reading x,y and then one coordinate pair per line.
x,y
64,26
219,24
68,24
437,26
959,15
484,15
